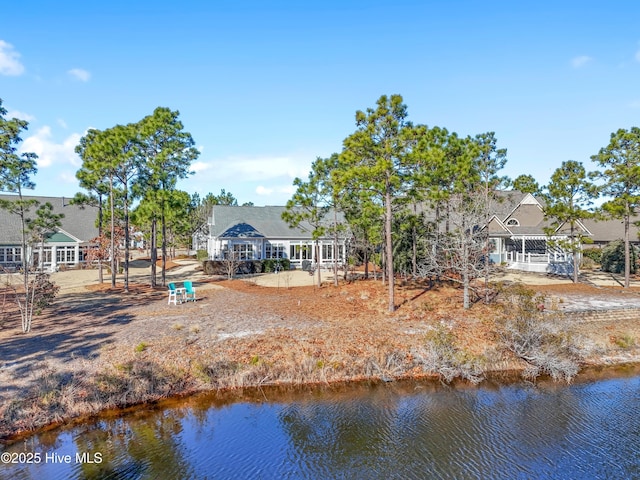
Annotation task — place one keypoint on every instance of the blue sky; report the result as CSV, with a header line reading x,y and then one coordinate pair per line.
x,y
266,87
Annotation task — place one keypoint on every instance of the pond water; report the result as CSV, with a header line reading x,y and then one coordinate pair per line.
x,y
590,429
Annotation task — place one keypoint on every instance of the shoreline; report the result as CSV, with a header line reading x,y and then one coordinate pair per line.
x,y
98,349
275,392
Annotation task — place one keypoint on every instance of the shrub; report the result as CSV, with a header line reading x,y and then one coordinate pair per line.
x,y
594,254
613,257
202,255
271,264
442,357
537,337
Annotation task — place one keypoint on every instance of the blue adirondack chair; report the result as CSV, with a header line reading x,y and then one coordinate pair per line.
x,y
189,291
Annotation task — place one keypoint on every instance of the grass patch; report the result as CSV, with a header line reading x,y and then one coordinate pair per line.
x,y
625,341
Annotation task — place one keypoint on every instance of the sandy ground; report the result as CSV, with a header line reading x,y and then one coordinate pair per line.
x,y
91,327
77,281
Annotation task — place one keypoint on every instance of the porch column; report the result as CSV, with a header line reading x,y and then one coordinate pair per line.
x,y
54,258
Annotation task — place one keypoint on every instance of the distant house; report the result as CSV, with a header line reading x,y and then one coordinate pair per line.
x,y
65,246
518,235
255,233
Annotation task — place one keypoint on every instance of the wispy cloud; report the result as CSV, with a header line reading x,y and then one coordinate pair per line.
x,y
581,61
261,168
20,115
635,104
287,190
80,74
51,153
637,56
9,60
198,167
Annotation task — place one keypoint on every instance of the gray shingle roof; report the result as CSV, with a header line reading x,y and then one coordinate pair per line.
x,y
612,229
267,221
77,221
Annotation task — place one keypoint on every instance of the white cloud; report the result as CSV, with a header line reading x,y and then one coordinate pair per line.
x,y
260,168
287,190
80,74
49,152
198,167
62,123
20,115
580,61
9,60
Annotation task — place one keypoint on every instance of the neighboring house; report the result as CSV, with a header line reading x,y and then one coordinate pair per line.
x,y
65,246
518,235
255,233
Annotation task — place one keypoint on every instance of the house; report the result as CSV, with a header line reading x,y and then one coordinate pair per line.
x,y
65,246
255,233
518,235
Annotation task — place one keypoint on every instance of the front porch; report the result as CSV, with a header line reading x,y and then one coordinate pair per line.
x,y
532,254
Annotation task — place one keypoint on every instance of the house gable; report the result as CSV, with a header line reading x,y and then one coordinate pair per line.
x,y
495,226
59,237
579,228
241,230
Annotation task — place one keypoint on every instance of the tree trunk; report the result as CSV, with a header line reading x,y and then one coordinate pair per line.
x,y
113,234
335,248
574,249
389,246
154,251
164,248
319,278
627,252
100,273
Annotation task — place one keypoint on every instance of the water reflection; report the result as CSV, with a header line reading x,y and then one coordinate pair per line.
x,y
587,430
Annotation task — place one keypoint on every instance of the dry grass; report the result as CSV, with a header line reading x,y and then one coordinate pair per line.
x,y
248,336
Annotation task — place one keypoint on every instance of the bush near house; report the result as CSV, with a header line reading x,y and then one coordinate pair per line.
x,y
594,254
613,257
219,267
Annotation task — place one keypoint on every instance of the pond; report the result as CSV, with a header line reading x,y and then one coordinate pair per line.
x,y
590,429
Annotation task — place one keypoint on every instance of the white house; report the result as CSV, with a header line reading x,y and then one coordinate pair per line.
x,y
256,233
65,246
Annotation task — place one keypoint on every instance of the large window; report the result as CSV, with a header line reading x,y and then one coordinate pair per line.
x,y
10,254
66,254
328,250
301,252
244,251
274,250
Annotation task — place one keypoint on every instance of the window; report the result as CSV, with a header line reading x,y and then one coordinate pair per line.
x,y
300,252
327,252
65,254
274,250
10,254
513,222
244,251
